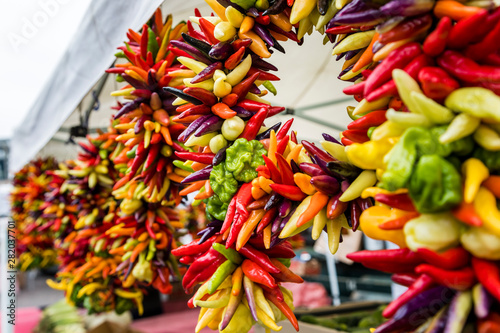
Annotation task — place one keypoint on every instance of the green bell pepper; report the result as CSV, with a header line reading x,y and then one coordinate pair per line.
x,y
223,183
216,208
414,143
243,157
435,185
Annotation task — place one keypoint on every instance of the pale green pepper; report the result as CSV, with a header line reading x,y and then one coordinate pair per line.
x,y
433,231
481,243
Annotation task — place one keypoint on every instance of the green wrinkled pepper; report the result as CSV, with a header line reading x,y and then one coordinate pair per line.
x,y
223,183
243,157
435,185
216,208
123,305
490,158
414,143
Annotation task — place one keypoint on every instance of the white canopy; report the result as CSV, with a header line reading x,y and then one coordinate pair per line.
x,y
308,79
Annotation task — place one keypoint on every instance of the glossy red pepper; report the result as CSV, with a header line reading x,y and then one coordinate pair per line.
x,y
393,256
254,124
453,258
489,44
285,170
435,43
242,88
436,83
400,201
335,207
374,118
488,274
404,279
264,76
208,30
284,129
356,135
280,149
252,105
230,213
205,158
461,279
467,69
413,68
291,192
285,274
355,89
467,214
273,170
398,58
423,283
235,59
193,248
283,250
316,152
259,258
464,32
257,274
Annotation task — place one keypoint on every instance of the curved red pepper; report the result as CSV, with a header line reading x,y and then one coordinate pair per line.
x,y
436,83
435,43
454,258
258,275
461,279
488,274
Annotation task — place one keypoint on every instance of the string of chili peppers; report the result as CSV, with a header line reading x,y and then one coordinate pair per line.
x,y
34,244
427,126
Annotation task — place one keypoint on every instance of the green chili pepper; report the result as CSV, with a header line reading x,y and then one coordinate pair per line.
x,y
119,78
224,270
435,185
285,261
151,250
131,153
120,54
182,166
243,157
153,46
269,86
223,183
230,254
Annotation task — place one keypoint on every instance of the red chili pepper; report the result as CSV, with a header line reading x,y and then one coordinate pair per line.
x,y
205,158
398,58
454,258
335,207
488,274
259,258
374,118
293,137
267,218
263,171
435,43
280,149
239,43
252,105
340,29
464,31
263,19
231,211
258,275
283,250
242,88
208,30
202,268
400,201
355,89
205,96
186,260
196,33
235,59
393,256
288,191
466,69
254,124
193,248
274,110
408,28
467,214
489,44
273,170
413,68
285,170
284,129
144,41
284,308
461,279
358,136
423,283
264,76
404,279
243,199
194,111
285,274
436,83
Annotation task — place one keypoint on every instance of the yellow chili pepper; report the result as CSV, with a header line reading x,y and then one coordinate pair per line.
x,y
372,217
475,172
487,138
194,65
301,9
370,155
239,72
388,129
486,207
334,228
364,106
336,150
258,46
319,223
365,179
461,126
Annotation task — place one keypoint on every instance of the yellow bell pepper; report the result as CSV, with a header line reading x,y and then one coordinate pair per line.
x,y
485,205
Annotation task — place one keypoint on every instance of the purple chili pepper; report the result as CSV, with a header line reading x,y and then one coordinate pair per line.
x,y
220,156
242,112
191,50
311,169
207,73
263,33
355,213
202,174
221,51
285,207
248,286
193,127
276,224
330,138
326,184
254,89
212,124
274,200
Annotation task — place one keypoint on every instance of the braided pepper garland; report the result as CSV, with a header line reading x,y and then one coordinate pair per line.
x,y
35,241
416,150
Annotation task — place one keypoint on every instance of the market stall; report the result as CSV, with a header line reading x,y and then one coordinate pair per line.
x,y
197,183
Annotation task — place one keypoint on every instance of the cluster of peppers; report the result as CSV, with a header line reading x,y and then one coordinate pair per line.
x,y
427,126
148,133
86,209
34,243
